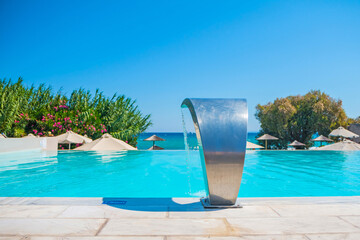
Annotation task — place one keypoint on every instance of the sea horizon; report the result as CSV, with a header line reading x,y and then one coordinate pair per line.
x,y
175,140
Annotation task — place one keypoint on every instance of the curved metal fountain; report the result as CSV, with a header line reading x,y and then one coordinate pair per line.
x,y
221,130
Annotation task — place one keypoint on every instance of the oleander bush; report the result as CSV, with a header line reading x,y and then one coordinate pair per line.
x,y
42,112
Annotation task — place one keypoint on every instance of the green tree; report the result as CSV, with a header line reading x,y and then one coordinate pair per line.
x,y
353,120
299,117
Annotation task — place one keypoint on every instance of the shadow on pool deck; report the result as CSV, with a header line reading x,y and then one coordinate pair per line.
x,y
158,204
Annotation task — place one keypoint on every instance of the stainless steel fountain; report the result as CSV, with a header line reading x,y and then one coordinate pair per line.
x,y
221,130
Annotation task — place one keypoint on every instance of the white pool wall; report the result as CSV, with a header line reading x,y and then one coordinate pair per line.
x,y
26,144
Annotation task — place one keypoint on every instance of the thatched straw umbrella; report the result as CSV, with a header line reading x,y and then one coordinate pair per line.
x,y
296,144
345,145
106,143
266,137
250,145
344,133
321,139
154,138
70,137
30,135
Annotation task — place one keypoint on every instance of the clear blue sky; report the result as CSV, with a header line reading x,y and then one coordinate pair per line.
x,y
160,52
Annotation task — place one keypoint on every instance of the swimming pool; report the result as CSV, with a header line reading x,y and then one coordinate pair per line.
x,y
175,174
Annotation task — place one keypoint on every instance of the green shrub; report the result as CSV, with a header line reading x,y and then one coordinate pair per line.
x,y
40,111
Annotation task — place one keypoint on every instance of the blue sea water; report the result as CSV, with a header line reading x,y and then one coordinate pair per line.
x,y
175,174
175,140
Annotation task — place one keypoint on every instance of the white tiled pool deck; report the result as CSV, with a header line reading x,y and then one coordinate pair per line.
x,y
179,218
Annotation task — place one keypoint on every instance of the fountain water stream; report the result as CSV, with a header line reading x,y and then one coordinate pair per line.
x,y
187,148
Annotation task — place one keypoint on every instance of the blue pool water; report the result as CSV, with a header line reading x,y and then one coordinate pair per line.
x,y
171,174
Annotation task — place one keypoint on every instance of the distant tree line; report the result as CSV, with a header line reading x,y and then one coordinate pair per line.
x,y
42,112
300,117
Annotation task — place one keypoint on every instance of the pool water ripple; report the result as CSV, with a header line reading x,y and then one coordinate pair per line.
x,y
166,174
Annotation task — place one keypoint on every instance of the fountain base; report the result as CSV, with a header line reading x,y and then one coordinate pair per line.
x,y
206,204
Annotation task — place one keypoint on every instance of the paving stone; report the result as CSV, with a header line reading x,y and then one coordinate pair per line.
x,y
151,227
317,210
68,201
294,225
105,211
12,238
245,212
338,236
203,238
146,219
52,227
355,220
18,200
260,237
50,201
275,237
299,200
97,238
30,211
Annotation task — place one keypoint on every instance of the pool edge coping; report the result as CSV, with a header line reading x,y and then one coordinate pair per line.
x,y
171,201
